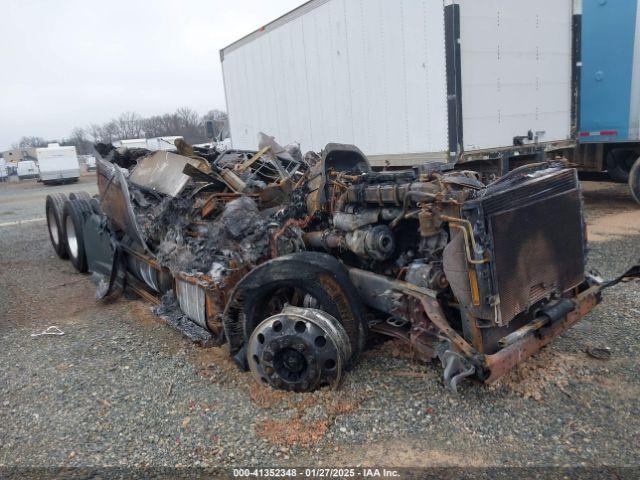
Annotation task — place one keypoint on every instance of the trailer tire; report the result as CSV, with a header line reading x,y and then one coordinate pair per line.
x,y
53,209
73,222
619,163
634,180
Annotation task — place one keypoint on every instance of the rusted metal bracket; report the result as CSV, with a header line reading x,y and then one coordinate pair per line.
x,y
501,362
456,369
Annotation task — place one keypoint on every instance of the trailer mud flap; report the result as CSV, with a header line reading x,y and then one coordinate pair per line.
x,y
105,260
117,278
99,247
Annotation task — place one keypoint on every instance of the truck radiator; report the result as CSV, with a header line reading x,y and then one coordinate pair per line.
x,y
535,238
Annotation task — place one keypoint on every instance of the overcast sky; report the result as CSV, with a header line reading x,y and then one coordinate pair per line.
x,y
66,63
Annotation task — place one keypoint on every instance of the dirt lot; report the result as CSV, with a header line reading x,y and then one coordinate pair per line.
x,y
120,388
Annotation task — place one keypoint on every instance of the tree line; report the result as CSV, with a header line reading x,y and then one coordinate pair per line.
x,y
184,122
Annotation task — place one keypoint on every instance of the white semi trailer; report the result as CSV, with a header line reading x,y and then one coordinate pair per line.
x,y
408,81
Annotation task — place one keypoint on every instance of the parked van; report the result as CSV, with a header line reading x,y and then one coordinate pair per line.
x,y
27,169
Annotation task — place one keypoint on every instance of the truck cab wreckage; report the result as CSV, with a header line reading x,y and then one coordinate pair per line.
x,y
295,261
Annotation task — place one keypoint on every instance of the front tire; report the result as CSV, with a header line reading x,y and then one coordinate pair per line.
x,y
310,281
300,288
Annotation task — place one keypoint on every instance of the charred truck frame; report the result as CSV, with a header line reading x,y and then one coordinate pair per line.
x,y
295,262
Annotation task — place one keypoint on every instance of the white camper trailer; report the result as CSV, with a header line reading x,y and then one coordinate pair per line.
x,y
58,164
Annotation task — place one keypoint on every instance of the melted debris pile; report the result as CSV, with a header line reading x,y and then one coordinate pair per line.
x,y
205,212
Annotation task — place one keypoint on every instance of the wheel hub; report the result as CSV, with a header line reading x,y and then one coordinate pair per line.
x,y
299,349
291,361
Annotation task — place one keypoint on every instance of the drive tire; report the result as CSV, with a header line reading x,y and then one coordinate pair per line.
x,y
73,222
80,195
619,163
54,206
634,181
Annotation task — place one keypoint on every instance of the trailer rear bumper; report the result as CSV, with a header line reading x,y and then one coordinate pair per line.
x,y
59,175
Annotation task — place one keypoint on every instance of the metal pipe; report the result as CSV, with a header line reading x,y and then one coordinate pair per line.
x,y
468,236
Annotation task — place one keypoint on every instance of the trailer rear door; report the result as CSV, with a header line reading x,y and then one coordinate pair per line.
x,y
516,71
610,80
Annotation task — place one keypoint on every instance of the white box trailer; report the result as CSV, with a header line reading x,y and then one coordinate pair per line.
x,y
407,81
131,143
58,164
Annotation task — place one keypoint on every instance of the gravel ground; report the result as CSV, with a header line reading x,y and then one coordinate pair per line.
x,y
120,388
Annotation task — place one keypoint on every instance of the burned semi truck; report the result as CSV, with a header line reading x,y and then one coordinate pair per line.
x,y
295,262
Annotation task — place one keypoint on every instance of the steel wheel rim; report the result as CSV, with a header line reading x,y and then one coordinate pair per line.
x,y
53,227
72,239
299,349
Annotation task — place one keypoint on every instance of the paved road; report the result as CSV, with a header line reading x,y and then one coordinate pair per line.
x,y
24,200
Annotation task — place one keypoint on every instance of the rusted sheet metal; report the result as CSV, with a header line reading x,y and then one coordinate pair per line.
x,y
162,172
116,200
501,362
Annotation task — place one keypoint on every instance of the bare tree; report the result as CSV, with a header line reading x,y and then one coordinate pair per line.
x,y
153,126
191,126
79,140
96,132
183,122
129,125
111,131
32,142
